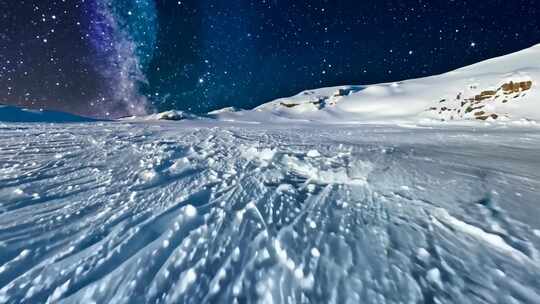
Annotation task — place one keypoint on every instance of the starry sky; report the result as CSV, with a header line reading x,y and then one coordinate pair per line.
x,y
111,58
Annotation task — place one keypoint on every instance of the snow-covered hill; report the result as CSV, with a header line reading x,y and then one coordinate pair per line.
x,y
500,89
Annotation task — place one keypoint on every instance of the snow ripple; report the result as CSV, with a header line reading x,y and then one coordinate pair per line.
x,y
179,213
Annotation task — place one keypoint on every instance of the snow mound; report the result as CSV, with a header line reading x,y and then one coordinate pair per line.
x,y
499,89
174,115
16,114
224,110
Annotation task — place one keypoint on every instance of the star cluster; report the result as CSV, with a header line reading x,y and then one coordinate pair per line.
x,y
99,57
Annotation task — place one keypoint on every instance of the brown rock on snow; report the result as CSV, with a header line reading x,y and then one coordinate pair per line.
x,y
516,87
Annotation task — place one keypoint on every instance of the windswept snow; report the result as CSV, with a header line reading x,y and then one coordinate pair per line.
x,y
214,212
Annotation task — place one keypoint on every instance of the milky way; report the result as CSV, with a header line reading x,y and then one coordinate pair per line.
x,y
123,34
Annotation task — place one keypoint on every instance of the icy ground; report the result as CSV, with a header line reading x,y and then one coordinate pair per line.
x,y
195,212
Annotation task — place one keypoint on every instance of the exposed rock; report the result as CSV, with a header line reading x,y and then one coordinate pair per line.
x,y
345,91
485,95
174,115
516,87
342,92
463,107
320,103
289,105
480,113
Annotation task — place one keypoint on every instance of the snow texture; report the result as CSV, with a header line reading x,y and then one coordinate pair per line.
x,y
216,212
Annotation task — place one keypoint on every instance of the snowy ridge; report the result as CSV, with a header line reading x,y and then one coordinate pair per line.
x,y
499,89
224,110
198,212
174,115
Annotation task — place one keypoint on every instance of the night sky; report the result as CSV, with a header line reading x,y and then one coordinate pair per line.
x,y
120,57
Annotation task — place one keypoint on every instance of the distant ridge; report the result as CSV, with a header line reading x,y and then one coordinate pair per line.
x,y
16,114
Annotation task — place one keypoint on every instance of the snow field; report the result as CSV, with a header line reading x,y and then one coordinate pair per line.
x,y
223,213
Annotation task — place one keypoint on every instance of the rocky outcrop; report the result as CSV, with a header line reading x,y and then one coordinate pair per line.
x,y
506,89
474,107
320,101
289,105
516,87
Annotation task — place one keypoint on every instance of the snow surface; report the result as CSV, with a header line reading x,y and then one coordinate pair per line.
x,y
477,92
217,212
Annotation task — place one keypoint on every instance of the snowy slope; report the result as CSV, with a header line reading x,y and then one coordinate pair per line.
x,y
214,212
15,114
504,88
